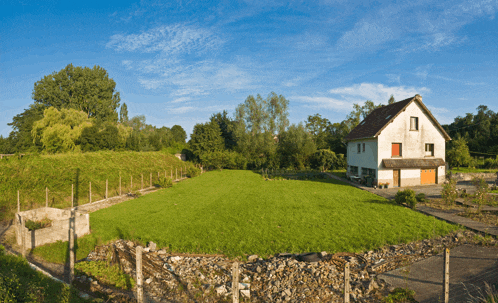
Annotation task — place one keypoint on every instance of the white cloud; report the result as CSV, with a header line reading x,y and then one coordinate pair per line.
x,y
324,102
438,110
423,71
376,92
365,35
181,110
171,39
394,78
181,100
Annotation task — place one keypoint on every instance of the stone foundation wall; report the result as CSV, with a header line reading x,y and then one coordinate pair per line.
x,y
470,176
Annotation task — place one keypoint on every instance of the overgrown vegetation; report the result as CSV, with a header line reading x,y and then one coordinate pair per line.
x,y
401,295
34,225
480,195
449,192
20,283
105,273
31,174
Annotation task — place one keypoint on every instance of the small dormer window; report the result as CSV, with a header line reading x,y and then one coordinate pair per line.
x,y
413,123
388,117
363,147
359,148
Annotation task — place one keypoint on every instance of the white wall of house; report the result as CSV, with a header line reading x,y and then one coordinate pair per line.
x,y
413,143
364,159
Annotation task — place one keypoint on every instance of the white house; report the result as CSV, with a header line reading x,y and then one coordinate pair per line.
x,y
401,144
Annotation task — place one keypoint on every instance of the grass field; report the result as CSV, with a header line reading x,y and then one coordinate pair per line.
x,y
473,170
238,213
32,174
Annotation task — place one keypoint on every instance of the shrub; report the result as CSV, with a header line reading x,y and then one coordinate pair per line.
x,y
421,197
449,192
480,197
399,295
193,172
406,196
165,182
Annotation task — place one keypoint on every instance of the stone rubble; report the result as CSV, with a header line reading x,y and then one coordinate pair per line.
x,y
282,278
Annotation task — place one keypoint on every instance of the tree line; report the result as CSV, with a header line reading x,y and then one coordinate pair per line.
x,y
76,109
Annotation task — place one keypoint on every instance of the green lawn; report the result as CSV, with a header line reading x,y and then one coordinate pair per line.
x,y
238,213
473,170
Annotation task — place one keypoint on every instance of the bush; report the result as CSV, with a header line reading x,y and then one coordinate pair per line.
x,y
165,182
449,192
193,172
399,295
421,197
406,196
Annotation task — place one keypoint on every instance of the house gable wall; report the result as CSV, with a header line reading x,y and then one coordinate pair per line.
x,y
413,143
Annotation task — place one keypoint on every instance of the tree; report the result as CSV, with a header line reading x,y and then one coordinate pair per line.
x,y
391,100
318,128
296,147
458,155
59,130
206,138
82,88
227,128
123,114
179,134
20,137
324,159
359,113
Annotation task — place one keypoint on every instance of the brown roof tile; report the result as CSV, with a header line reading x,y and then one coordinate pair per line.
x,y
376,120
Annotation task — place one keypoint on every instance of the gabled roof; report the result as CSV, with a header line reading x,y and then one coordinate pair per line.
x,y
378,119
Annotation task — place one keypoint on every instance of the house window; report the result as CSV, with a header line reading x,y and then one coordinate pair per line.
x,y
363,147
429,150
396,150
359,148
353,170
413,123
368,172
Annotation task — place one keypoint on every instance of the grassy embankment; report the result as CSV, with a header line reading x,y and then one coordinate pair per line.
x,y
473,170
31,174
238,213
20,283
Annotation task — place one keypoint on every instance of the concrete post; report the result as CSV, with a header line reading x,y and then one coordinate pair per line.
x,y
446,285
140,290
71,245
235,282
23,237
346,283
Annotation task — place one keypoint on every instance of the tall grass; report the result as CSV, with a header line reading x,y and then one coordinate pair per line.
x,y
31,174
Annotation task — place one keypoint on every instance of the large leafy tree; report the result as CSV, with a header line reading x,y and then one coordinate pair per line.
x,y
59,131
206,138
359,113
82,88
179,134
21,139
318,127
296,147
458,155
226,125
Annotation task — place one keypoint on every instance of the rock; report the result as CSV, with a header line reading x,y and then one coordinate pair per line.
x,y
152,246
244,286
323,254
221,290
146,249
246,293
175,259
148,281
287,292
252,258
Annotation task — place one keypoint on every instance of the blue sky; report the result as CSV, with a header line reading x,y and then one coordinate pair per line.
x,y
178,62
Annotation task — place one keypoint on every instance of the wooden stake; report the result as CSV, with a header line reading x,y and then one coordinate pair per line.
x,y
71,245
235,282
46,196
72,195
106,189
142,181
90,187
120,185
446,285
18,202
131,184
176,173
346,283
140,291
150,182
